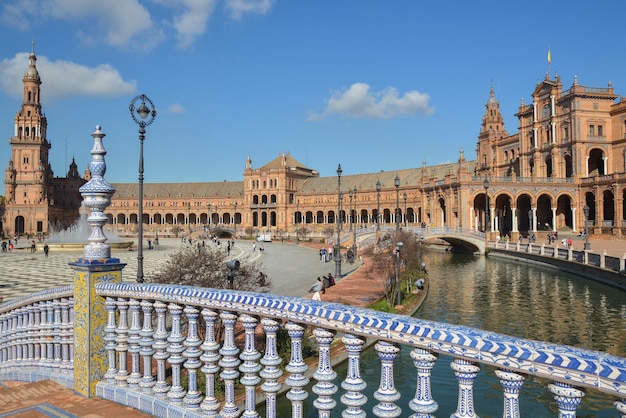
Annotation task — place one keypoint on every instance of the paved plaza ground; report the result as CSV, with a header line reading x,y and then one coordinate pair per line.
x,y
292,268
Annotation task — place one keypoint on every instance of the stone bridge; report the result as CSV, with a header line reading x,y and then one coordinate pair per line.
x,y
468,240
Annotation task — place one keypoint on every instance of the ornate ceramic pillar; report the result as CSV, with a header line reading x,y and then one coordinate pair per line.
x,y
175,348
466,373
324,388
146,351
229,363
210,356
134,340
94,267
387,394
423,403
354,383
567,398
271,372
511,384
192,354
161,386
296,367
251,366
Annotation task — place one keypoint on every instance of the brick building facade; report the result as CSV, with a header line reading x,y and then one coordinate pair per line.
x,y
569,152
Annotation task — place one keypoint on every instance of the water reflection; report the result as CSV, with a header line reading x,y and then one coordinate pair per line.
x,y
513,298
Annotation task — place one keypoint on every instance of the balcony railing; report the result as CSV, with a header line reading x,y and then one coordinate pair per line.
x,y
159,325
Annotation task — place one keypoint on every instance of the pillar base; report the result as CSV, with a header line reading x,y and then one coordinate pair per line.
x,y
90,320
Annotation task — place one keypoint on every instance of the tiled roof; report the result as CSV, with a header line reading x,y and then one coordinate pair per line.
x,y
289,162
408,177
174,190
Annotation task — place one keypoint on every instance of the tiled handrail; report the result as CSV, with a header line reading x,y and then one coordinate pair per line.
x,y
131,339
37,337
603,260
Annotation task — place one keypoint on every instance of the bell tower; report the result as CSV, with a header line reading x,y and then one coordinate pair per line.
x,y
28,177
491,129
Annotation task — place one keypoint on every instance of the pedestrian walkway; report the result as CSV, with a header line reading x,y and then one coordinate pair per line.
x,y
50,399
613,246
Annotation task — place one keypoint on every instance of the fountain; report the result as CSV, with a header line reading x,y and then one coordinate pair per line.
x,y
97,196
76,235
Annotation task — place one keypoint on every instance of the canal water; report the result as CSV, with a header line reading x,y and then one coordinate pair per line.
x,y
510,297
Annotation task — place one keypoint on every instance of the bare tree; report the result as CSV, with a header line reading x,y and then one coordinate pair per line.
x,y
385,263
206,267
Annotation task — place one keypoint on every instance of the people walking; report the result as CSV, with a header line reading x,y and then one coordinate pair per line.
x,y
46,250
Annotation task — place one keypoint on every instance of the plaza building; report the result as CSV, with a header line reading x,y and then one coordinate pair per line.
x,y
566,163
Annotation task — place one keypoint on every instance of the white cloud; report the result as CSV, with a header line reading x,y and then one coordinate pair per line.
x,y
359,101
176,108
64,78
127,24
237,8
192,21
119,23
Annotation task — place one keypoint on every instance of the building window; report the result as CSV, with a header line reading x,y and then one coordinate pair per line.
x,y
25,160
600,130
592,130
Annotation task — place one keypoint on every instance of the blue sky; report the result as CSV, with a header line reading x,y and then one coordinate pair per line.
x,y
373,85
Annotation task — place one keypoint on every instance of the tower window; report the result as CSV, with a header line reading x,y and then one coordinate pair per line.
x,y
592,130
25,160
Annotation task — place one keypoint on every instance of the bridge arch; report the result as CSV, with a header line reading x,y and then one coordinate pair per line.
x,y
460,239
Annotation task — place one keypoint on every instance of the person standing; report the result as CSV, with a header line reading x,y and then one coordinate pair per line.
x,y
46,249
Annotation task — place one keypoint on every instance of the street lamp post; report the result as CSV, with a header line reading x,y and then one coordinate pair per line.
x,y
378,211
397,183
486,186
338,243
398,281
295,220
350,194
354,224
143,116
208,220
405,220
586,212
235,220
189,216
